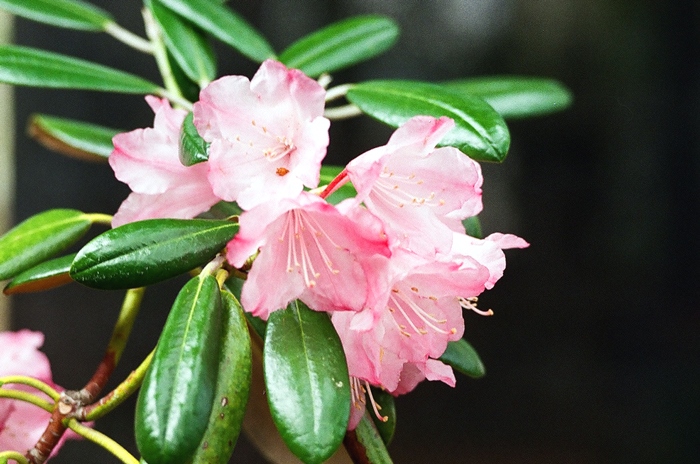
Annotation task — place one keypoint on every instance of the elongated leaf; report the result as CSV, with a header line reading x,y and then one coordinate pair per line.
x,y
341,44
193,148
145,252
232,387
225,25
472,225
368,444
463,358
480,131
515,96
187,45
73,14
176,397
386,426
44,276
307,381
39,238
38,68
73,138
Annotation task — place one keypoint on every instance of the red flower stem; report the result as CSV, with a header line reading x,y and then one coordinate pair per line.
x,y
72,401
340,180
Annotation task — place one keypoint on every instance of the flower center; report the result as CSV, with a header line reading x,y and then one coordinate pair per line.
x,y
402,190
418,319
306,251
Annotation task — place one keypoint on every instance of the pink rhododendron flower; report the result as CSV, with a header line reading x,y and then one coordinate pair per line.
x,y
268,135
148,161
421,193
326,256
22,424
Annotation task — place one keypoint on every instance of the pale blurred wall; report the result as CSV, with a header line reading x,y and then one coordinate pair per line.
x,y
7,142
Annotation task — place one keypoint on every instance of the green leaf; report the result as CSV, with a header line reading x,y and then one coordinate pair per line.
x,y
232,387
187,45
515,96
307,381
341,44
73,138
369,439
225,25
193,148
480,131
45,276
176,397
235,286
38,68
328,173
145,252
472,225
73,14
385,401
463,358
39,238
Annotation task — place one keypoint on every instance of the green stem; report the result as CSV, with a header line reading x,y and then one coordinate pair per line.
x,y
99,218
117,396
129,38
102,440
337,92
5,456
342,112
178,100
27,398
161,55
31,382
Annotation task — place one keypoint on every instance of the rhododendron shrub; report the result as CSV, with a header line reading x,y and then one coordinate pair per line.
x,y
355,282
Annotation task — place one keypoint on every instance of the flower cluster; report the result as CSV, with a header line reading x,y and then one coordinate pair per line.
x,y
393,266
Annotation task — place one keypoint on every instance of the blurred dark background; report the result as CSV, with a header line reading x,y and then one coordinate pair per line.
x,y
593,352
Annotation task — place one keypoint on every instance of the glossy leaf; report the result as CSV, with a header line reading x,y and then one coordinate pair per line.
x,y
39,238
463,358
227,26
187,45
480,131
72,14
73,138
232,387
472,225
307,381
145,252
370,443
515,96
235,286
193,148
38,68
341,44
385,401
328,173
45,276
176,397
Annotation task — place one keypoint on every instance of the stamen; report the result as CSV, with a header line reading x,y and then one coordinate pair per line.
x,y
359,388
470,304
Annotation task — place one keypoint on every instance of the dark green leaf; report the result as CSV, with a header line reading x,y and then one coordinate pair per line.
x,y
73,138
47,275
193,148
473,227
515,96
232,387
176,397
369,439
145,252
235,286
73,14
341,44
187,45
480,131
225,25
39,238
385,401
38,68
463,358
328,173
307,381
